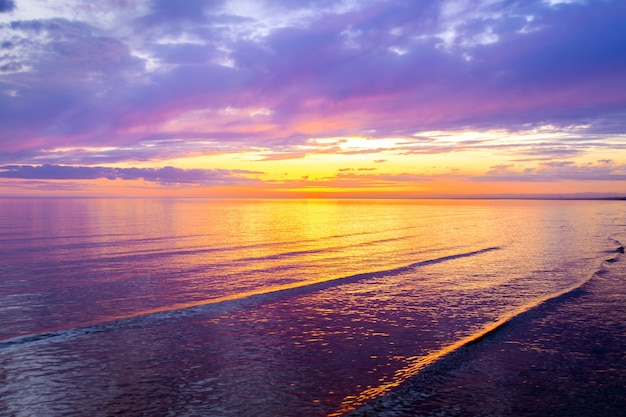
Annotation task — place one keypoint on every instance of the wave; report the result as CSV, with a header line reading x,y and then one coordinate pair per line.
x,y
225,302
28,238
87,242
436,359
146,254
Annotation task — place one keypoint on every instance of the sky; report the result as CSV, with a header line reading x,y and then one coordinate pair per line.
x,y
313,98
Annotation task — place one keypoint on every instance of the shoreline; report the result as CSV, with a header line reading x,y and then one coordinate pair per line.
x,y
564,357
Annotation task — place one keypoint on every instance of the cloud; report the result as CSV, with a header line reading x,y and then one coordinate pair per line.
x,y
546,172
602,170
165,175
7,6
11,67
319,68
151,150
280,156
192,10
346,179
70,90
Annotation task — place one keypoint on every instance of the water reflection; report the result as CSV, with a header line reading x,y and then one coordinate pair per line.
x,y
285,353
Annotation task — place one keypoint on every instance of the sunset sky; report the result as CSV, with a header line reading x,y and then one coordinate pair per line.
x,y
312,98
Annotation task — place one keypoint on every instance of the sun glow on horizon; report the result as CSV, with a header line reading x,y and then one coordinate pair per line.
x,y
427,163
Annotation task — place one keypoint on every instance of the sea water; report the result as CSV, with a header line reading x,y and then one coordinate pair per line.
x,y
210,307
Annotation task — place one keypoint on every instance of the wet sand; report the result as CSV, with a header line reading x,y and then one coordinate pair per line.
x,y
566,357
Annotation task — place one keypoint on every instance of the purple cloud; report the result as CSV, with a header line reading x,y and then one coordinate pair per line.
x,y
389,67
7,6
553,171
603,170
176,14
165,175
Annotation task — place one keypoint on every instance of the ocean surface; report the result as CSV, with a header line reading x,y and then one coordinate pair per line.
x,y
209,307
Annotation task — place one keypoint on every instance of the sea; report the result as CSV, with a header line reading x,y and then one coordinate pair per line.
x,y
268,307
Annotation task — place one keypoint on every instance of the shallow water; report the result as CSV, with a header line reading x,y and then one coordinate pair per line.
x,y
265,307
566,357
